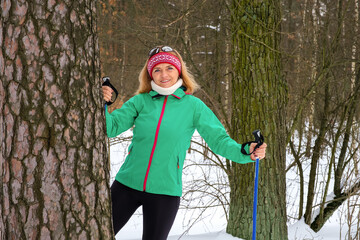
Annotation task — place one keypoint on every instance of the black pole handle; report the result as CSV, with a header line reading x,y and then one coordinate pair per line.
x,y
259,139
106,82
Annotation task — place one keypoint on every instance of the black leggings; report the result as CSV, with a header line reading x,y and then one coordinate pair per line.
x,y
159,211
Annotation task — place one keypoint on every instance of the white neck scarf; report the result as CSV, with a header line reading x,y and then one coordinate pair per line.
x,y
166,91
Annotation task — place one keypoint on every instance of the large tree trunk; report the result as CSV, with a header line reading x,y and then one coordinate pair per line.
x,y
259,99
54,179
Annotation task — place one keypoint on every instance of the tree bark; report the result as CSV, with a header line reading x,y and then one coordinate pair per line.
x,y
354,53
258,102
54,169
316,157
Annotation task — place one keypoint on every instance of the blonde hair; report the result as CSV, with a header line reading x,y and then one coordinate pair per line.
x,y
188,79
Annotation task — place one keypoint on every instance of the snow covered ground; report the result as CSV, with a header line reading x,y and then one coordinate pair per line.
x,y
212,224
213,228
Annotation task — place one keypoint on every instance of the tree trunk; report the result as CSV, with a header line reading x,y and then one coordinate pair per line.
x,y
316,156
354,52
259,99
54,179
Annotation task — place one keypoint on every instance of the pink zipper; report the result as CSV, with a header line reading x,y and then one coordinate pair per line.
x,y
155,141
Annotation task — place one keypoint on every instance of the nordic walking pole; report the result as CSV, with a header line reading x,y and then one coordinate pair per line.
x,y
259,140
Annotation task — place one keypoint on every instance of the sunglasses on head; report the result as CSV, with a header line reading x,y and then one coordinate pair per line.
x,y
156,50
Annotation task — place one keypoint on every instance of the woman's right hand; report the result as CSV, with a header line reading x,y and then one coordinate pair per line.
x,y
107,92
260,152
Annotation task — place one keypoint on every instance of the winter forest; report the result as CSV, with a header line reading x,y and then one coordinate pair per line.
x,y
290,68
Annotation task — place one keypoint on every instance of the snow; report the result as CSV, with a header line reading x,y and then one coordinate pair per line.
x,y
300,230
222,235
212,223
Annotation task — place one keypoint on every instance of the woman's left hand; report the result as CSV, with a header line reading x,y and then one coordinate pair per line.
x,y
259,152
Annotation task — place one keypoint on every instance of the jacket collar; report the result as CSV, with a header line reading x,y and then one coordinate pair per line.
x,y
179,93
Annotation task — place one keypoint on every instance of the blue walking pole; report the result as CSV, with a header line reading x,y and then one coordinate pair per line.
x,y
255,198
259,140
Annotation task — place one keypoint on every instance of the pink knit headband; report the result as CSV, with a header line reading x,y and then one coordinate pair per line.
x,y
163,57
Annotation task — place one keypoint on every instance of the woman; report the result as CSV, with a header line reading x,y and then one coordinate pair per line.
x,y
165,115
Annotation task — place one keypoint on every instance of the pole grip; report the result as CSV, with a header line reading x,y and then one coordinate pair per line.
x,y
259,139
106,82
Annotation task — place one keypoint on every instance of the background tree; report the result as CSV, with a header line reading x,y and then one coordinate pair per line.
x,y
54,171
322,115
258,102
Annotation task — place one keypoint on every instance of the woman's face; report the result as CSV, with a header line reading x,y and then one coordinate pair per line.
x,y
165,75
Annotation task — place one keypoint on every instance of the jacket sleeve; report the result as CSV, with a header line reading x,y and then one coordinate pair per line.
x,y
215,135
123,118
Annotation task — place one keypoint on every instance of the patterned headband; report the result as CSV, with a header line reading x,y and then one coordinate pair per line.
x,y
163,57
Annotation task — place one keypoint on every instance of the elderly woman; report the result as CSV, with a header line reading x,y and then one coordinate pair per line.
x,y
164,114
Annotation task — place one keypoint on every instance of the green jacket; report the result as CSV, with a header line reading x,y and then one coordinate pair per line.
x,y
163,127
